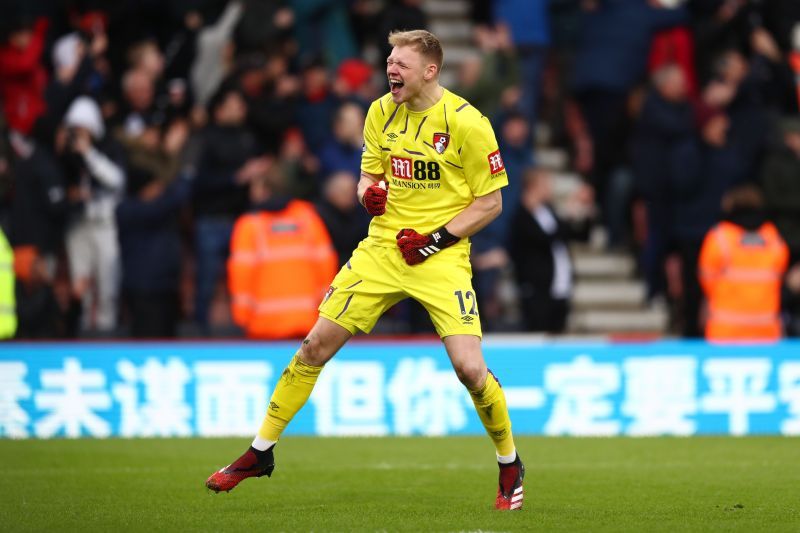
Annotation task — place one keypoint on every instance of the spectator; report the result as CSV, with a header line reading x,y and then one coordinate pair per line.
x,y
355,82
530,32
38,217
228,158
75,71
146,57
794,63
675,46
23,78
781,18
491,73
322,29
701,170
791,301
611,59
742,263
138,110
271,93
665,123
148,219
780,179
490,245
157,153
299,166
267,25
281,263
345,220
342,152
213,51
317,106
96,182
542,263
181,47
403,15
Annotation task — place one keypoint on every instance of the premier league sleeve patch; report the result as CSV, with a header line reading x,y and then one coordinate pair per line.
x,y
440,142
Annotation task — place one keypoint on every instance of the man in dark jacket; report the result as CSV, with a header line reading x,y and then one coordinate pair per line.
x,y
702,170
150,243
227,161
666,122
340,212
342,152
780,179
611,59
542,262
38,216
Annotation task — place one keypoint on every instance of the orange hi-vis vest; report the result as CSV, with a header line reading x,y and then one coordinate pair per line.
x,y
741,273
281,264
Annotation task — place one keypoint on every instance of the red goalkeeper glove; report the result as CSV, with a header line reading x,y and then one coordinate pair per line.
x,y
375,198
417,248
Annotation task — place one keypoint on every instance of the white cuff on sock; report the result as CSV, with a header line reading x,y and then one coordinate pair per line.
x,y
262,444
502,459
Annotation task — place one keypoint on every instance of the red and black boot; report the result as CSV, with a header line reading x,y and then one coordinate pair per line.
x,y
253,463
509,491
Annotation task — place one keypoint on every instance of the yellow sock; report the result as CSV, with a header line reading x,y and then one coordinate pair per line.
x,y
290,394
490,402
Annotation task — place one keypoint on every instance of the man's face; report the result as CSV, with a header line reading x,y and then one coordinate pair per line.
x,y
792,140
233,110
516,131
349,124
715,132
674,88
407,69
139,92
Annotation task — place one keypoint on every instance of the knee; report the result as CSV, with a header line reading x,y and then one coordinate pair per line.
x,y
472,374
312,351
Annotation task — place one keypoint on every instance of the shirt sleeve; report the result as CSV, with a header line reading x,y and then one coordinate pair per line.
x,y
480,156
371,151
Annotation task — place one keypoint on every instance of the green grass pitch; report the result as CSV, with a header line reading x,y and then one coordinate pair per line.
x,y
404,484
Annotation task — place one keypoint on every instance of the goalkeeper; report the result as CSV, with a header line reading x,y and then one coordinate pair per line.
x,y
431,175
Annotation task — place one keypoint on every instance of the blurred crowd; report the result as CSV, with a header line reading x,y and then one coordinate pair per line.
x,y
142,143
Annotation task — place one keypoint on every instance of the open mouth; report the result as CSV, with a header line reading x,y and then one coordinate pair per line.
x,y
395,86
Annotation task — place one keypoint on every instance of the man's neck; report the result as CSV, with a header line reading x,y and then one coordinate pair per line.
x,y
428,97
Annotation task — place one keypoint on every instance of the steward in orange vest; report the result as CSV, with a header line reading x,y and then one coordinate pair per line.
x,y
742,263
281,263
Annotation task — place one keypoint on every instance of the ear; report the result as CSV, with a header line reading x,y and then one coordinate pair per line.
x,y
431,70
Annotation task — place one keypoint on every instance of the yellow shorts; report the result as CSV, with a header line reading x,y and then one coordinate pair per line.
x,y
376,277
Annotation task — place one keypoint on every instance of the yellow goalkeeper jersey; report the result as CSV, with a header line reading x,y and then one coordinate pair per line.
x,y
436,162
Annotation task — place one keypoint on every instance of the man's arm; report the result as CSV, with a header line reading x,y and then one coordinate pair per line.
x,y
476,215
367,180
416,248
373,193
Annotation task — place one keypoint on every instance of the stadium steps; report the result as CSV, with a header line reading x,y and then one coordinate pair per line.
x,y
442,9
593,266
617,322
608,298
449,21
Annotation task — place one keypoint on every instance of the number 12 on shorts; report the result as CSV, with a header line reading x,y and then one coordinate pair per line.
x,y
464,299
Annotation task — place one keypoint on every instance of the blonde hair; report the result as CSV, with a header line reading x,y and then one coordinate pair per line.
x,y
422,41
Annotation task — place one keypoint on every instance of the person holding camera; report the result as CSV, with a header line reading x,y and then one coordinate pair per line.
x,y
96,181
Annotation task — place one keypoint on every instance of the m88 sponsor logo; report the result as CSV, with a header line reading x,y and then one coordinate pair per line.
x,y
405,168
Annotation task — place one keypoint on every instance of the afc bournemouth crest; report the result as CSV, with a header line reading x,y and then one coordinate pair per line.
x,y
440,142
